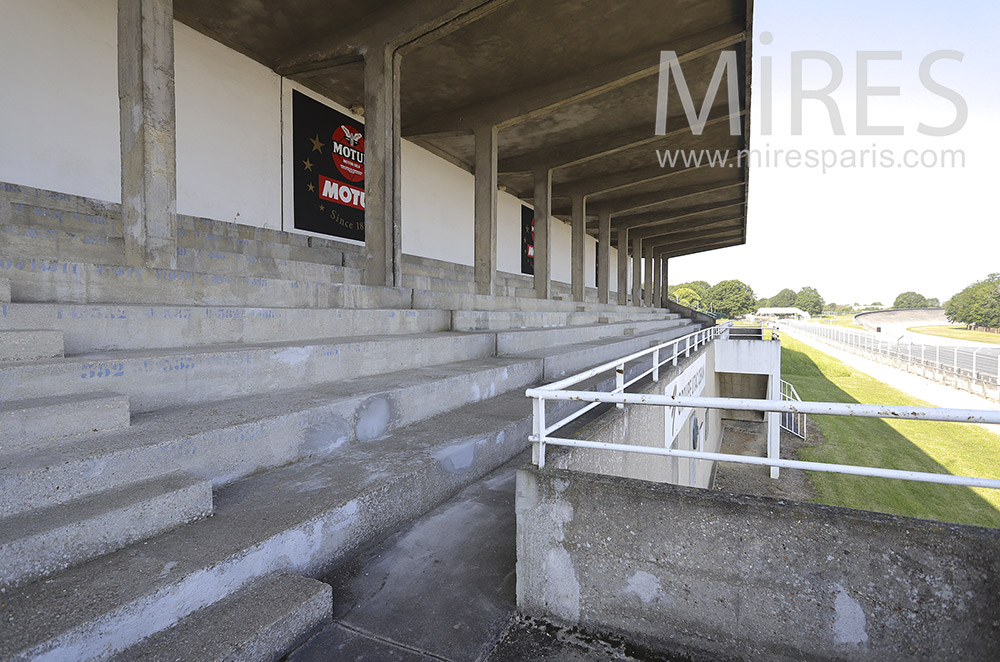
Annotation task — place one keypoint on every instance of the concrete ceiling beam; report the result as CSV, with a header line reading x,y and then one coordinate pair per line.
x,y
515,106
399,24
603,145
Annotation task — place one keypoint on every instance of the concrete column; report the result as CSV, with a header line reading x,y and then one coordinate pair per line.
x,y
604,257
636,271
665,284
579,234
647,300
486,209
148,132
654,290
383,239
543,253
622,267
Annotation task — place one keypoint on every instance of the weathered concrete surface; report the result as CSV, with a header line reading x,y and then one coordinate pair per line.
x,y
40,542
104,327
148,131
261,622
30,344
26,422
4,290
443,585
752,577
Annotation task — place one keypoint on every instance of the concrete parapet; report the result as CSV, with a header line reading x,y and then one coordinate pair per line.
x,y
746,577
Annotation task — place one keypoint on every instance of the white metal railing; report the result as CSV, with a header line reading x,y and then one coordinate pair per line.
x,y
975,369
794,423
671,350
542,433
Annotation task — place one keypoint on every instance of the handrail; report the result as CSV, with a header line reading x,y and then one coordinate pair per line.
x,y
556,391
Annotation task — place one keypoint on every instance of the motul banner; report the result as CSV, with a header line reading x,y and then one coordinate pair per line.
x,y
328,150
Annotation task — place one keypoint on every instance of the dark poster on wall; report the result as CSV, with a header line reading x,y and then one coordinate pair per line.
x,y
328,149
527,241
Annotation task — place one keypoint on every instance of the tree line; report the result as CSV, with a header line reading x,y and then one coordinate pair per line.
x,y
978,304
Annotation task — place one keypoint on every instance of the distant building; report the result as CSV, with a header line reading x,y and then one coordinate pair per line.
x,y
782,313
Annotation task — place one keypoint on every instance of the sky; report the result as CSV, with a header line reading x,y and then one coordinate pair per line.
x,y
866,234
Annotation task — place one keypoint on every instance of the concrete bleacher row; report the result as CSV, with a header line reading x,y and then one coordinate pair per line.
x,y
61,231
180,451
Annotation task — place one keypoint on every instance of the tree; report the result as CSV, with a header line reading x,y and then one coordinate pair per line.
x,y
783,299
934,303
687,297
911,300
732,298
809,300
978,304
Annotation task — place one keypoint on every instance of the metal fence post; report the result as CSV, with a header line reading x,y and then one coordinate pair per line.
x,y
656,364
620,382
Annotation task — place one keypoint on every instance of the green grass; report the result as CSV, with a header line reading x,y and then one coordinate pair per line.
x,y
955,448
958,332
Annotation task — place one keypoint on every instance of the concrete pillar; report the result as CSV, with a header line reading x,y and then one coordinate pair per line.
x,y
383,238
579,234
647,299
636,271
654,290
543,252
665,284
622,267
486,209
148,132
604,258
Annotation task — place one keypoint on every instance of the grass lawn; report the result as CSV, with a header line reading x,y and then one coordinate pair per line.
x,y
958,332
955,448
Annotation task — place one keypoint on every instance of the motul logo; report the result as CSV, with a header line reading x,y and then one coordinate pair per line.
x,y
337,192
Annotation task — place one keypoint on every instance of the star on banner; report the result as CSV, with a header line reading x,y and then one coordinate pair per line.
x,y
312,189
308,164
322,208
317,145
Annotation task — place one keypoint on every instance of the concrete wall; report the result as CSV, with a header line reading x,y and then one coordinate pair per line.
x,y
752,578
59,131
59,127
228,141
639,425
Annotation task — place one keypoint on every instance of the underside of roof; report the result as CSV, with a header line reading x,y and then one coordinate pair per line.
x,y
572,86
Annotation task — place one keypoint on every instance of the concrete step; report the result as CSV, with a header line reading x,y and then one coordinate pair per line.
x,y
240,231
501,320
4,290
231,439
39,208
439,284
482,303
42,541
27,242
26,422
30,344
567,360
37,280
525,340
302,251
222,262
301,517
103,327
160,378
426,266
262,621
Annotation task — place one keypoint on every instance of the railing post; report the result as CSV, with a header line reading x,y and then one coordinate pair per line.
x,y
539,415
973,377
620,382
656,364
